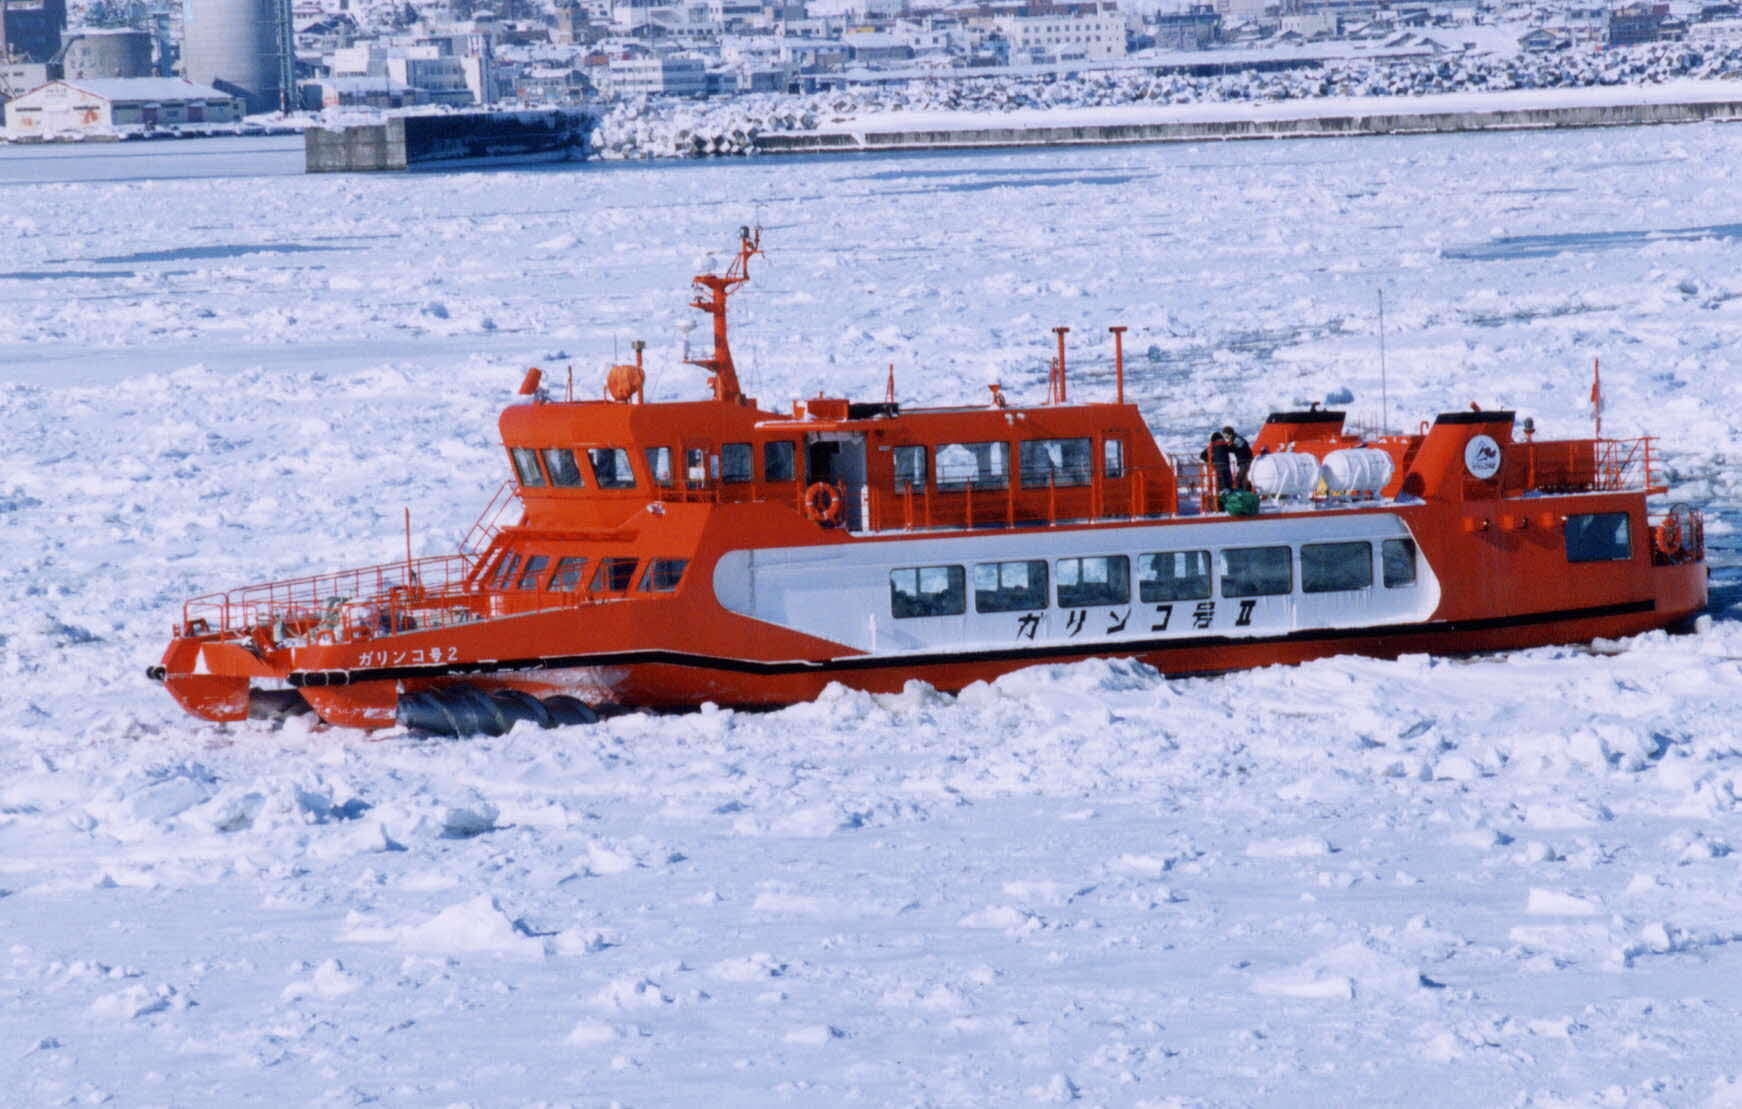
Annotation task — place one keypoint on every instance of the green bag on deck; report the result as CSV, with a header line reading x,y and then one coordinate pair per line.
x,y
1240,502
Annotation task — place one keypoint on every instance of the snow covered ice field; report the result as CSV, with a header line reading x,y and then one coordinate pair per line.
x,y
1507,880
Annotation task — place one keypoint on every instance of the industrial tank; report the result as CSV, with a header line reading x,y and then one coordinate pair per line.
x,y
105,52
239,46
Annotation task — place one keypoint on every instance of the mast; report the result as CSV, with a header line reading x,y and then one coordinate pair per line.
x,y
718,287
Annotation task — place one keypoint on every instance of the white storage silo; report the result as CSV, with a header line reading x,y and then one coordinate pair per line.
x,y
240,46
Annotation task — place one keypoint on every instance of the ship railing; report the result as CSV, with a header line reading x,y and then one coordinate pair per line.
x,y
1575,466
1007,502
299,605
490,521
1677,534
399,612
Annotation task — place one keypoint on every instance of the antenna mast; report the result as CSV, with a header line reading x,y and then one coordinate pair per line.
x,y
1384,398
718,287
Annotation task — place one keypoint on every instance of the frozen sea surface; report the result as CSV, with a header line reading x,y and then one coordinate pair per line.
x,y
1505,880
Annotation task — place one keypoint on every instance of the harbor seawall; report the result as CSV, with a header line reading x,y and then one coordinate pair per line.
x,y
449,141
867,136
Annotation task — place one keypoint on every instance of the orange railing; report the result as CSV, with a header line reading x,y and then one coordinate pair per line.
x,y
302,604
489,521
350,605
1139,491
1577,466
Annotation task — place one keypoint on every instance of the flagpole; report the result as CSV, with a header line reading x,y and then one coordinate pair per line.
x,y
1597,396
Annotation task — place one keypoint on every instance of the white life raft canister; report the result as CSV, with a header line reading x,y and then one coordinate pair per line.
x,y
1357,470
1284,474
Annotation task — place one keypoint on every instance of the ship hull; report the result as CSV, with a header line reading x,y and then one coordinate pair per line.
x,y
365,697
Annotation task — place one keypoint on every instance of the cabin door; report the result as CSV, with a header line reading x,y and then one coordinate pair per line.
x,y
838,457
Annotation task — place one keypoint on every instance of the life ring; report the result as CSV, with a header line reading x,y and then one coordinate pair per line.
x,y
823,503
1667,537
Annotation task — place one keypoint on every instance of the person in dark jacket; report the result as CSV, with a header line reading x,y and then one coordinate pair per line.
x,y
1218,456
1241,451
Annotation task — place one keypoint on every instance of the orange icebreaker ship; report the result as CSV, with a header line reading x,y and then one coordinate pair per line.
x,y
664,555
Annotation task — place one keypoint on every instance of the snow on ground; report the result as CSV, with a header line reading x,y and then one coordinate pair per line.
x,y
1507,880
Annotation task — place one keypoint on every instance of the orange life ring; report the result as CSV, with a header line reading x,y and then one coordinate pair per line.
x,y
1668,537
823,503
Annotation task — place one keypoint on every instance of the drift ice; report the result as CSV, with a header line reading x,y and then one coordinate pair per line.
x,y
668,554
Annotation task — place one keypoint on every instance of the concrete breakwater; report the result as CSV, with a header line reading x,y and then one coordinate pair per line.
x,y
1298,119
450,141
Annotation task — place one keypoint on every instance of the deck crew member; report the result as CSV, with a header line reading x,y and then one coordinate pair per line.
x,y
1217,455
1241,451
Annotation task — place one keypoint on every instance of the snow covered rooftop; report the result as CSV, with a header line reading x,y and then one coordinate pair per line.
x,y
146,88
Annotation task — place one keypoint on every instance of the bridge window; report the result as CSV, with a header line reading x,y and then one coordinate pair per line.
x,y
560,463
611,467
532,571
777,460
504,571
1173,576
614,575
928,591
526,466
735,463
1113,458
1335,567
1009,586
1101,580
1257,571
973,466
1397,557
663,574
909,468
695,465
1055,462
659,464
567,575
1598,537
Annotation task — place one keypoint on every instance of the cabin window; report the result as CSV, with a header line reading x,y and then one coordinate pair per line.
x,y
526,466
560,463
611,467
532,571
928,591
1100,580
1598,537
695,465
1009,586
614,575
1113,458
568,574
1257,571
777,460
663,574
504,571
1055,462
1173,576
973,466
1335,567
1397,558
909,468
735,463
658,464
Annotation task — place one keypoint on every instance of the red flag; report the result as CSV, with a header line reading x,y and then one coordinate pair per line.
x,y
1596,388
